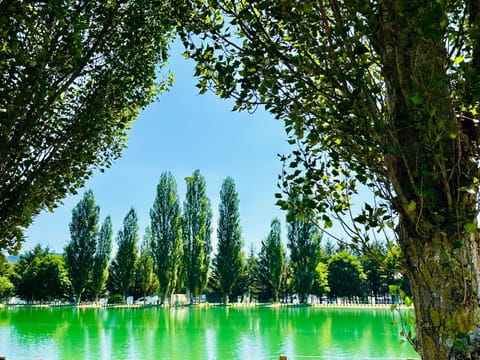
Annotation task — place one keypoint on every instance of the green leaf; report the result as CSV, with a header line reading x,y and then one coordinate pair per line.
x,y
412,206
470,227
392,289
327,222
416,100
457,245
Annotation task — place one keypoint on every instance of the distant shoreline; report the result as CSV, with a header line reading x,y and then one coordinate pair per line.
x,y
206,305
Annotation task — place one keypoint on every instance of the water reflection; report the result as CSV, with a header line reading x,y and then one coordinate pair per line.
x,y
197,333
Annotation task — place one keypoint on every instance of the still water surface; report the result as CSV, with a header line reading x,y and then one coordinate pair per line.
x,y
199,333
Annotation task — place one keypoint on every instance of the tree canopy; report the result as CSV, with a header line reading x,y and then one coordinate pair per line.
x,y
73,77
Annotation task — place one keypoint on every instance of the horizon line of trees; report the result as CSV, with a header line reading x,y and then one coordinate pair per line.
x,y
175,256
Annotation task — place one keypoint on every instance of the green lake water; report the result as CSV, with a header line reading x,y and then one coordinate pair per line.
x,y
199,333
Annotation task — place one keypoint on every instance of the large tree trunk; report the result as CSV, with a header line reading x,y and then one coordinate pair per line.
x,y
445,285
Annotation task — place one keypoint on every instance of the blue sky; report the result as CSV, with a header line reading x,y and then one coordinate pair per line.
x,y
181,132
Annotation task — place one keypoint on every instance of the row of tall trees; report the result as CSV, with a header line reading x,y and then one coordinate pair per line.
x,y
313,269
175,255
175,250
40,275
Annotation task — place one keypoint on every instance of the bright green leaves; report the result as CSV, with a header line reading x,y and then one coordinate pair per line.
x,y
412,206
406,317
470,227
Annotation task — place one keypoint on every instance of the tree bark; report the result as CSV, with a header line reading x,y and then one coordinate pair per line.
x,y
445,285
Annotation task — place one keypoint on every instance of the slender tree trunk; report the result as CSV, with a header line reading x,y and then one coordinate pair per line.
x,y
190,296
444,276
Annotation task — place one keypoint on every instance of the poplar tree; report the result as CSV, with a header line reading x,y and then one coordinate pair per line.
x,y
102,258
145,266
123,267
197,229
166,228
304,245
80,251
228,264
272,262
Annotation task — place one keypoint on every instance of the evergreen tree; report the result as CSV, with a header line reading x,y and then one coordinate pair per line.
x,y
102,257
304,245
80,251
272,261
122,269
196,235
227,264
166,229
145,267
